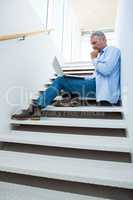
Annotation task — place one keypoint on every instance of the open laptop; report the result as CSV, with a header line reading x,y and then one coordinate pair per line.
x,y
59,71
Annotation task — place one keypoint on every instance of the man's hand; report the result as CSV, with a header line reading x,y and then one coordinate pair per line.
x,y
94,54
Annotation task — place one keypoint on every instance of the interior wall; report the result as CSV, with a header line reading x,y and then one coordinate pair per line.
x,y
125,42
66,34
17,16
25,65
71,33
40,7
96,14
55,21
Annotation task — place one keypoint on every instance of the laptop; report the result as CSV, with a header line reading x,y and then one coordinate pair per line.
x,y
59,71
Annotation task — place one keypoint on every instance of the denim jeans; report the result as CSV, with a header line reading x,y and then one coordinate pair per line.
x,y
81,87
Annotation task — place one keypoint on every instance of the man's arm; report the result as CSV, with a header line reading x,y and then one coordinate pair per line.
x,y
106,65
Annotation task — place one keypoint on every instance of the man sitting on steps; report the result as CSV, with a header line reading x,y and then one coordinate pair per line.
x,y
105,86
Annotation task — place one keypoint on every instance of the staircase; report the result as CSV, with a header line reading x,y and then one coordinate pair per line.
x,y
76,153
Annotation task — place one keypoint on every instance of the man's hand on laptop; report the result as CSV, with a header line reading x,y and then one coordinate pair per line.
x,y
94,54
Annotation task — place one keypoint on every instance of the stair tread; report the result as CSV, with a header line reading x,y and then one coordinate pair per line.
x,y
48,82
74,122
83,98
37,193
77,66
116,174
103,143
78,69
77,72
86,108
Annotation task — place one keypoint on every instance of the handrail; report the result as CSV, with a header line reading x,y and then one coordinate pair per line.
x,y
23,35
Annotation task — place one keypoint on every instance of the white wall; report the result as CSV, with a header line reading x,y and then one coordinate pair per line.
x,y
25,65
76,39
71,33
55,20
66,34
17,16
40,7
125,41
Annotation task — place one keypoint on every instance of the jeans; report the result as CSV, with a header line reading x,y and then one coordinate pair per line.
x,y
81,87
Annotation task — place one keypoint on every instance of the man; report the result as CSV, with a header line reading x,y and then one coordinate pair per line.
x,y
105,86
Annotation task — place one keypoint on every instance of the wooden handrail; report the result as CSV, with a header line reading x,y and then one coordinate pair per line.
x,y
24,34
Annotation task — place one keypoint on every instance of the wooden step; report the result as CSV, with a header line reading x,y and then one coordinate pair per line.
x,y
87,109
86,142
105,173
73,122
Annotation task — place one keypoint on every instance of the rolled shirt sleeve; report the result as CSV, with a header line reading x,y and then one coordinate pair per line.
x,y
105,64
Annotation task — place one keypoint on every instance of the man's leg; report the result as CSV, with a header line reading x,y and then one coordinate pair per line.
x,y
49,94
81,87
44,100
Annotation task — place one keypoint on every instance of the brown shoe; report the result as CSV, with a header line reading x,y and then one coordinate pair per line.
x,y
67,102
25,114
37,114
75,102
104,103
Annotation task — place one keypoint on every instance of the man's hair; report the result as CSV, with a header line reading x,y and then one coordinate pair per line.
x,y
98,34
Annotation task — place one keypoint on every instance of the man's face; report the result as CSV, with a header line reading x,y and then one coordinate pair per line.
x,y
98,43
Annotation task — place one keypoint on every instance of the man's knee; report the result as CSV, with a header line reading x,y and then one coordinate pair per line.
x,y
59,79
58,83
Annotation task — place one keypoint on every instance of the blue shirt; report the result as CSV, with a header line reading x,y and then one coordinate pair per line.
x,y
107,68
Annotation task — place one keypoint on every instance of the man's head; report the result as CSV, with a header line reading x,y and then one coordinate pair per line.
x,y
98,40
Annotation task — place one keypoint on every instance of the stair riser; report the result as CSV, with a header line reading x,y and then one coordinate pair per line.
x,y
68,188
72,130
78,73
71,122
68,152
46,85
77,70
72,114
